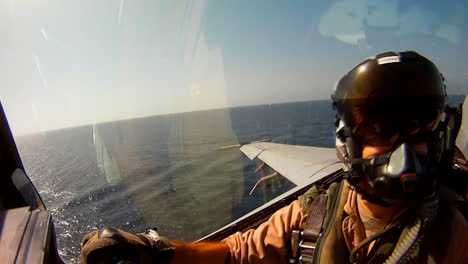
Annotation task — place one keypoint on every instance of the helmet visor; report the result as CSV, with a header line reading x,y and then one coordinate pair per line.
x,y
384,121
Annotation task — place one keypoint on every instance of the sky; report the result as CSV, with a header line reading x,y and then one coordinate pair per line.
x,y
67,63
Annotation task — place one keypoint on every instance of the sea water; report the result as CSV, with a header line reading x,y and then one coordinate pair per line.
x,y
167,171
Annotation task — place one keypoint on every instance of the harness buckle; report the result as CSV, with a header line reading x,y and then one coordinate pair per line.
x,y
302,250
307,250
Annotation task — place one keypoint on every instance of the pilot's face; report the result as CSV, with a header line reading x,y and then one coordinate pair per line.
x,y
369,150
420,148
416,138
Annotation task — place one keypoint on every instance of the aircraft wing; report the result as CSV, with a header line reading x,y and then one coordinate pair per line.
x,y
302,165
299,164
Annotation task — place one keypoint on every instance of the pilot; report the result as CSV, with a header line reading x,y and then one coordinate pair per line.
x,y
389,207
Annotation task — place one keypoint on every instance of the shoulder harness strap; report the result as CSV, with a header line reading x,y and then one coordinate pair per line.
x,y
320,210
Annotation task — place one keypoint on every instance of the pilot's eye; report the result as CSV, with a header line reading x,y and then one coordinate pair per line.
x,y
376,134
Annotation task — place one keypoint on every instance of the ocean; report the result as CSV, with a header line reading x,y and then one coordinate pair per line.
x,y
165,171
169,173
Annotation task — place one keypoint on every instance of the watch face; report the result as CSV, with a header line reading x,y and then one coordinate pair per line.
x,y
153,234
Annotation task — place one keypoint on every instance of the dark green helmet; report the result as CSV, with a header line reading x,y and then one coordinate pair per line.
x,y
395,99
393,91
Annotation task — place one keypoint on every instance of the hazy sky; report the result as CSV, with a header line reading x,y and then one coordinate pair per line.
x,y
66,63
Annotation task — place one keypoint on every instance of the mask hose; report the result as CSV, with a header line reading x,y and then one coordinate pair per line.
x,y
353,255
411,242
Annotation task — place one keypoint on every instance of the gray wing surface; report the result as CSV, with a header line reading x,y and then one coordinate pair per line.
x,y
299,164
302,165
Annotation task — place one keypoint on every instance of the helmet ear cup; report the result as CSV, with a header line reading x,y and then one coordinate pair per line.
x,y
448,132
348,148
340,143
356,172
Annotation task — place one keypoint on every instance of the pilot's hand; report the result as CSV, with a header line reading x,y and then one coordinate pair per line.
x,y
110,245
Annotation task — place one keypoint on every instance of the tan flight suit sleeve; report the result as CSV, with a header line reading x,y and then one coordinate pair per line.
x,y
270,242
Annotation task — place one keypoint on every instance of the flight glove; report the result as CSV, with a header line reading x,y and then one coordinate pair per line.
x,y
110,245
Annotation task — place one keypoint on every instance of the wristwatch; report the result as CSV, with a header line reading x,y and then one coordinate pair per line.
x,y
162,249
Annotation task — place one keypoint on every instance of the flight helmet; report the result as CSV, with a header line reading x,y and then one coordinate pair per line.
x,y
397,99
